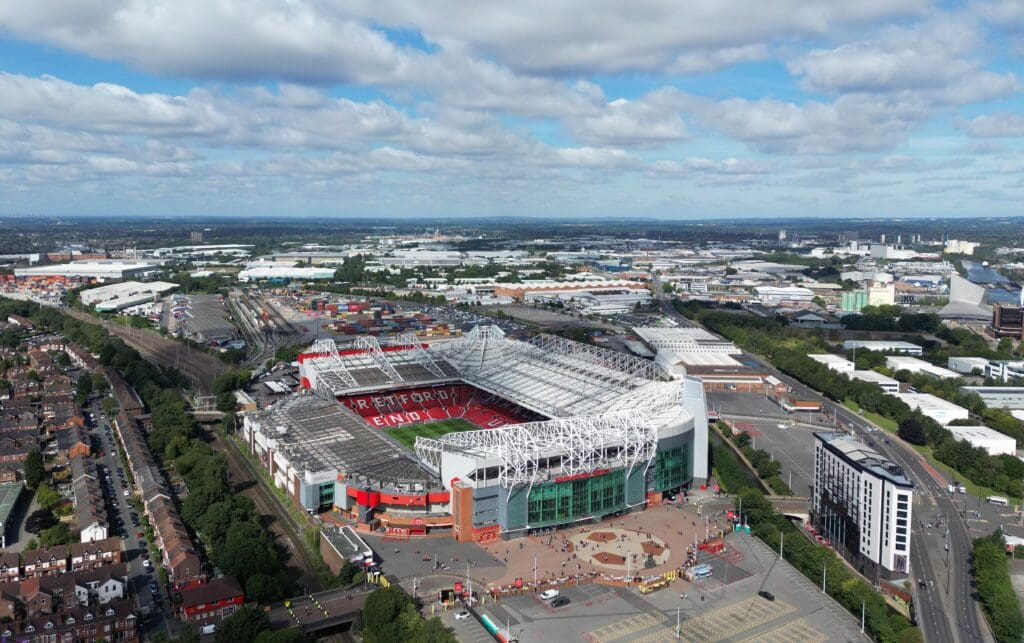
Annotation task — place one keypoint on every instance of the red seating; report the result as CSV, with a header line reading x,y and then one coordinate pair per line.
x,y
426,403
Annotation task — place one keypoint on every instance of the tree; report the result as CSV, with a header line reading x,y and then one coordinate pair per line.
x,y
263,588
35,472
59,534
244,625
281,636
83,389
380,613
913,431
47,497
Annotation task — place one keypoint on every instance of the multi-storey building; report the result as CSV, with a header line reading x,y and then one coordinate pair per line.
x,y
861,502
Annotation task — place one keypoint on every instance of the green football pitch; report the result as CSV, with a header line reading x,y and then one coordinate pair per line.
x,y
406,435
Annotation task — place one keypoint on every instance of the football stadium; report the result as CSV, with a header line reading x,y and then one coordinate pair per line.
x,y
483,436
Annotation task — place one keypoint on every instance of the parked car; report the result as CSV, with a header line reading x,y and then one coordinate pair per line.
x,y
461,615
560,601
548,594
766,595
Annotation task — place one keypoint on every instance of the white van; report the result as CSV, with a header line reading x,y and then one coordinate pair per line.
x,y
208,628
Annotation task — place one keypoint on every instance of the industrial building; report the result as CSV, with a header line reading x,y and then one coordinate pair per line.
x,y
566,433
520,291
884,382
998,397
95,269
834,362
967,365
883,346
862,503
934,407
986,438
257,272
918,366
124,295
773,295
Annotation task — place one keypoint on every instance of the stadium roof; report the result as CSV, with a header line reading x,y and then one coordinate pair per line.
x,y
321,435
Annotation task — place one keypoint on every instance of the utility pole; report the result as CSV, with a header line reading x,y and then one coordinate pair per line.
x,y
678,629
824,575
862,606
782,538
535,571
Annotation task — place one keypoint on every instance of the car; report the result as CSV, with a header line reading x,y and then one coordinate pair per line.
x,y
922,584
560,601
127,493
139,535
461,615
548,594
766,595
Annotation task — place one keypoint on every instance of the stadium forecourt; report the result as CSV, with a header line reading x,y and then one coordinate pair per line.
x,y
525,435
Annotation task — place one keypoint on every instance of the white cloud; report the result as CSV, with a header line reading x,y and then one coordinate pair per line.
x,y
996,125
935,59
652,119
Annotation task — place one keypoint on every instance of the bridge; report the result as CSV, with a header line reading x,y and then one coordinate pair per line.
x,y
328,612
792,506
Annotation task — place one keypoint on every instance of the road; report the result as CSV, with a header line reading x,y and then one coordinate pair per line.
x,y
199,367
125,522
956,602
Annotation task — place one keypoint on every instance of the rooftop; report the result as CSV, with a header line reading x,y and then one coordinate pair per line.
x,y
9,494
864,457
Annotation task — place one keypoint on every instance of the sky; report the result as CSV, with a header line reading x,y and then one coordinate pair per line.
x,y
545,108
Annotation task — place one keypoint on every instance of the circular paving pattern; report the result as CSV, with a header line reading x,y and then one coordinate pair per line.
x,y
620,549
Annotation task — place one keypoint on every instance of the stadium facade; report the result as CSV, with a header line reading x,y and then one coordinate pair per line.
x,y
559,433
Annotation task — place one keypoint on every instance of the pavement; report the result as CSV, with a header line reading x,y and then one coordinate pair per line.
x,y
720,608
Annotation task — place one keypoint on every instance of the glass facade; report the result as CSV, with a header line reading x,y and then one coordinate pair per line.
x,y
327,494
672,468
561,502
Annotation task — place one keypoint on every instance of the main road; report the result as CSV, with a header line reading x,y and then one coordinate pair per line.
x,y
946,605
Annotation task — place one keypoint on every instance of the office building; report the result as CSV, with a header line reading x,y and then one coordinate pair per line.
x,y
862,503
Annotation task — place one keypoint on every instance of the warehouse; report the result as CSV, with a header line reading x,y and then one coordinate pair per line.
x,y
989,439
934,407
968,365
905,348
884,382
123,295
918,366
96,269
834,362
998,397
257,272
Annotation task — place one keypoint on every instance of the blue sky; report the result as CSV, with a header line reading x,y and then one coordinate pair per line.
x,y
455,108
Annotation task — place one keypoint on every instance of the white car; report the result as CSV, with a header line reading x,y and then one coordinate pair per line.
x,y
461,615
127,493
548,594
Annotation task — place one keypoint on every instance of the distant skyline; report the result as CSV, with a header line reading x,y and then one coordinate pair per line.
x,y
653,108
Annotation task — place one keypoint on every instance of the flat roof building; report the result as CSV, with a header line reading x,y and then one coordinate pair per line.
x,y
986,438
834,362
862,503
918,366
124,295
934,407
882,346
96,269
884,382
967,365
998,397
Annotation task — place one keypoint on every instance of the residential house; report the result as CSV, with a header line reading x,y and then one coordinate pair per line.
x,y
112,622
10,567
102,585
43,562
215,600
95,555
90,513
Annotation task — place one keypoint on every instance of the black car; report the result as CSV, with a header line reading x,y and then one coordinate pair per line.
x,y
922,584
560,601
766,595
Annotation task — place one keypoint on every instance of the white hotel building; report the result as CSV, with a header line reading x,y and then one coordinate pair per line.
x,y
862,503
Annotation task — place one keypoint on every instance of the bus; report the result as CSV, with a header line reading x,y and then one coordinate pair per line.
x,y
997,500
697,572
